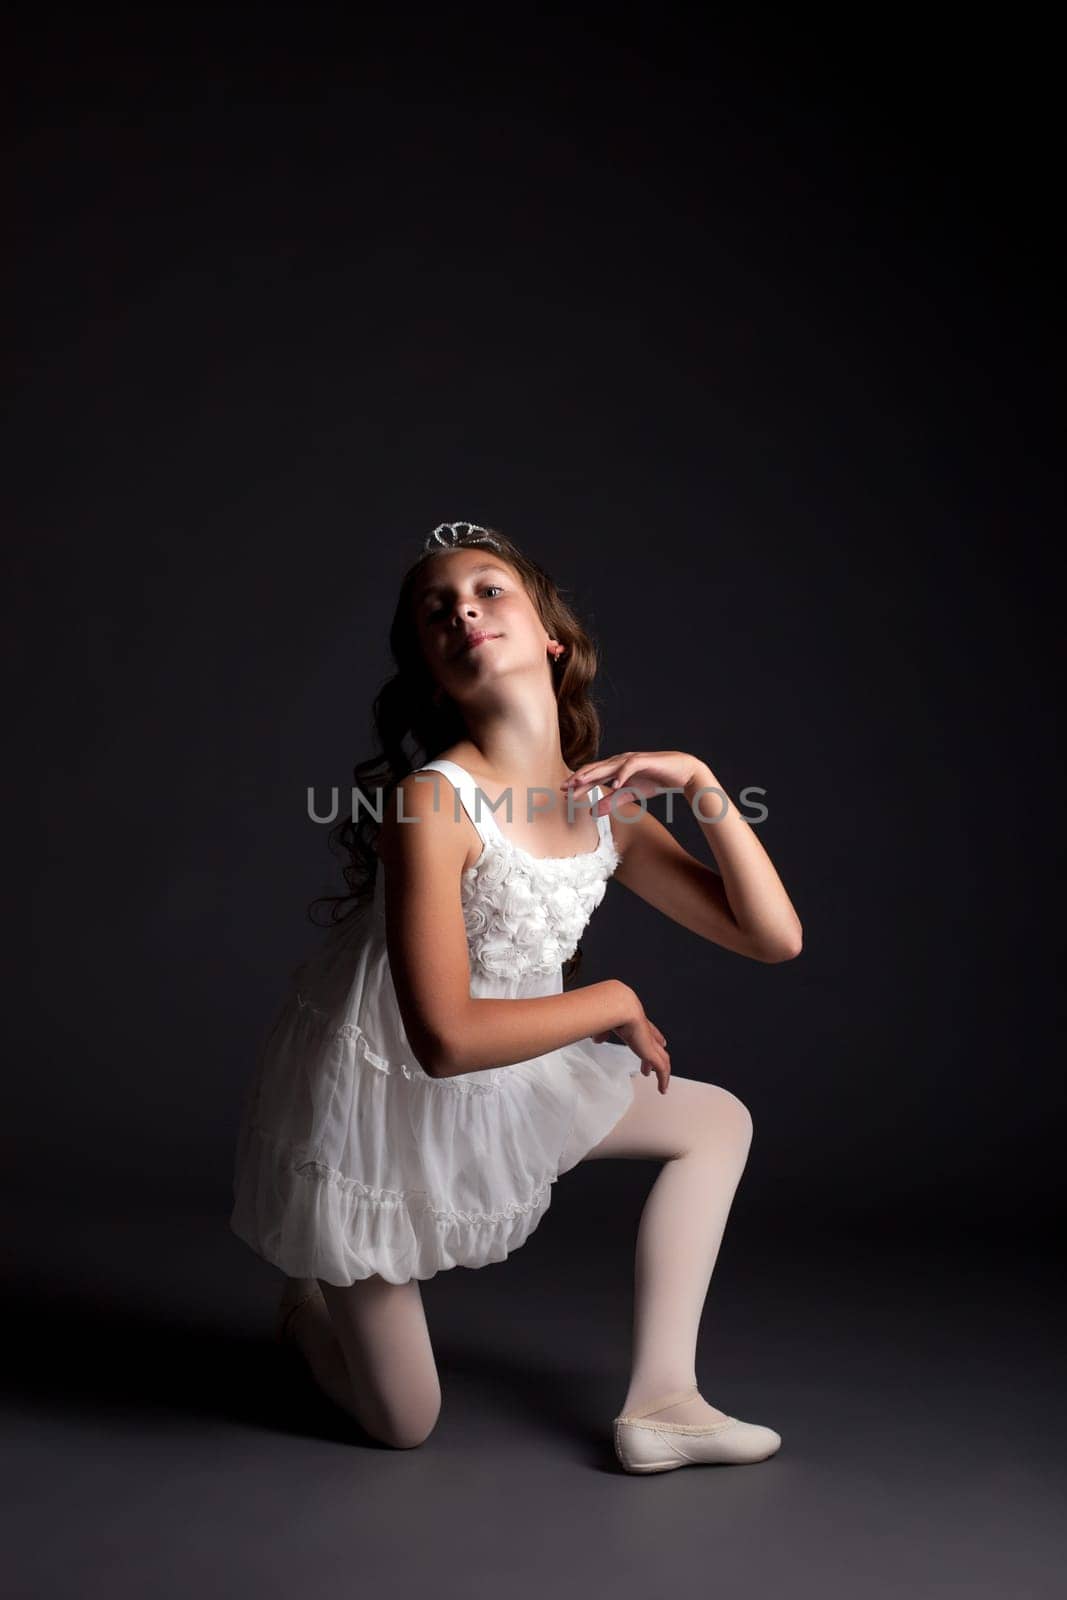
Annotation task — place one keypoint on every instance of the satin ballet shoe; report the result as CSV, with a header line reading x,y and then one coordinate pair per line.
x,y
288,1308
643,1445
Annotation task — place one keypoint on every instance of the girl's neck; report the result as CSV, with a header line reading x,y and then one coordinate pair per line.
x,y
510,768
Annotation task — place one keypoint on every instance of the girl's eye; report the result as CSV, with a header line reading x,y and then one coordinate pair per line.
x,y
440,611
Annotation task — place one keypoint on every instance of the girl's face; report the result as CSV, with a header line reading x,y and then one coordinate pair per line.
x,y
475,620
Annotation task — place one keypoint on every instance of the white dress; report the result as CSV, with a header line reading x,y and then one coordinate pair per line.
x,y
351,1159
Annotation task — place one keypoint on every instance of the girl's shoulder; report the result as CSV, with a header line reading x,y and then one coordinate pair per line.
x,y
460,755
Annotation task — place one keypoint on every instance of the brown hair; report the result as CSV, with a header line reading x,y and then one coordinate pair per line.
x,y
405,709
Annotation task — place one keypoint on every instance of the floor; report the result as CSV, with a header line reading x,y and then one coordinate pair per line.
x,y
158,1442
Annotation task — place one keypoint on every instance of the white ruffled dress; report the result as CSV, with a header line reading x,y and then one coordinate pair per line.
x,y
351,1160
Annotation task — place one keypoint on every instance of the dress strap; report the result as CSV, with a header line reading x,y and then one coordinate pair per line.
x,y
465,786
603,822
480,811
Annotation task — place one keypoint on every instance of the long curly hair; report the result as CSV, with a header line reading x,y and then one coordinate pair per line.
x,y
410,711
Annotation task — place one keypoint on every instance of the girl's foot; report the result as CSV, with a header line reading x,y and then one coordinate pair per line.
x,y
691,1411
303,1324
296,1295
645,1442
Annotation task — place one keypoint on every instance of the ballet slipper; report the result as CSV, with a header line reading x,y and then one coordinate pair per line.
x,y
288,1308
643,1445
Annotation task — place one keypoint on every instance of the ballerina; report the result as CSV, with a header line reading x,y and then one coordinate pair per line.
x,y
428,1078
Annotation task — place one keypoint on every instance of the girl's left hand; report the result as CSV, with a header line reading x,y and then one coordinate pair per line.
x,y
636,773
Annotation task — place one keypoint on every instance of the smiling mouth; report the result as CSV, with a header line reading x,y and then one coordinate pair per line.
x,y
483,638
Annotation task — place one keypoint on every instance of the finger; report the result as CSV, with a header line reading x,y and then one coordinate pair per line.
x,y
589,767
585,776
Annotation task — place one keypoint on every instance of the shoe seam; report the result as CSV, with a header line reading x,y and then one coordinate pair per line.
x,y
284,1334
677,1427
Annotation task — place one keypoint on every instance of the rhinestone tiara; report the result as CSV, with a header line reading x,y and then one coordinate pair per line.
x,y
450,535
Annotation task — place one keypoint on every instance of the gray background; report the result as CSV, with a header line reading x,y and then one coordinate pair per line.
x,y
748,339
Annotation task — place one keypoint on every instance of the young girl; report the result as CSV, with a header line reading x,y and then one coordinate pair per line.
x,y
427,1079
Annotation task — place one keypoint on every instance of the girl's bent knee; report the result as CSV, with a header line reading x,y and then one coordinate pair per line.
x,y
727,1117
407,1441
742,1118
409,1436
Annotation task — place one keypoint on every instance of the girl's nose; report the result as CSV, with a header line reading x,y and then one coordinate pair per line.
x,y
462,618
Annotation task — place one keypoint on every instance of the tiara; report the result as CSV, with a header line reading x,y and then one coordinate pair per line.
x,y
449,535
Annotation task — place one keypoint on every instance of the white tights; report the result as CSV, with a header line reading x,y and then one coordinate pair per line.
x,y
368,1345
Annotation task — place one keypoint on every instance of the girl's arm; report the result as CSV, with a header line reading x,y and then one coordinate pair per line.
x,y
452,1032
742,906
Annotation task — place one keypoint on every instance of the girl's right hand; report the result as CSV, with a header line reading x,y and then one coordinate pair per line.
x,y
645,1040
